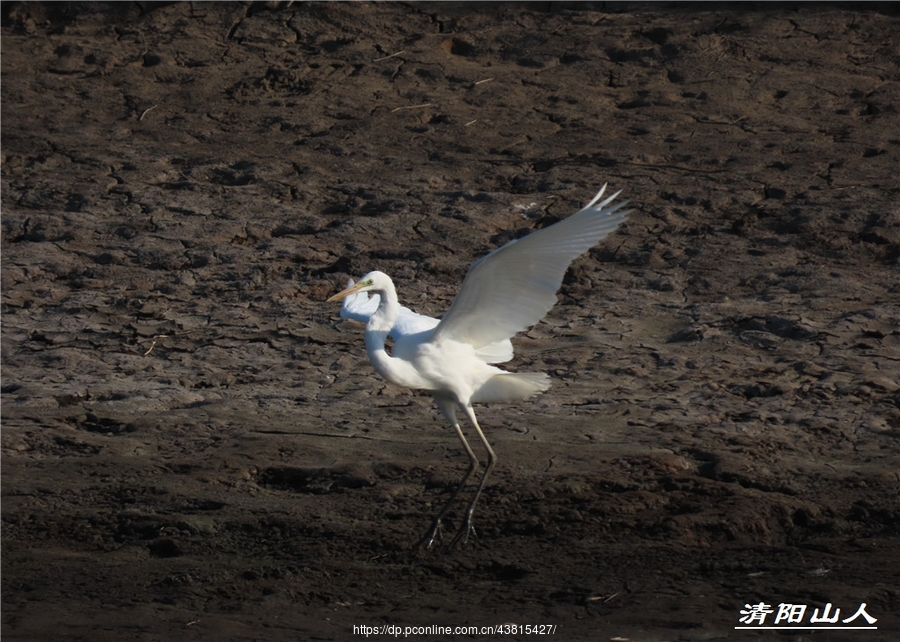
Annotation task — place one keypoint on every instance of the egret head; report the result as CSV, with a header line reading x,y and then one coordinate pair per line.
x,y
372,282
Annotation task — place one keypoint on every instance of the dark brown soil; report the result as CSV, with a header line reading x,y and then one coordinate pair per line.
x,y
194,444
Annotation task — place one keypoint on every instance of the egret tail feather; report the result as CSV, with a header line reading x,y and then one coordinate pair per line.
x,y
511,386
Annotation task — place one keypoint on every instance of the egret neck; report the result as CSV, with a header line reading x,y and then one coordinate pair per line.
x,y
398,371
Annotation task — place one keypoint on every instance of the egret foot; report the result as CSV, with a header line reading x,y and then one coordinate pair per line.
x,y
435,532
462,535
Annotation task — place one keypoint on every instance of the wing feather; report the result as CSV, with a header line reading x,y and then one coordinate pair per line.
x,y
361,306
514,287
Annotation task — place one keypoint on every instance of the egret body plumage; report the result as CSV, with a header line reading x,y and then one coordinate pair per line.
x,y
507,291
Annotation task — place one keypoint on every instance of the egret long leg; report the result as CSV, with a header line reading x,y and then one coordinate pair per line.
x,y
448,409
467,528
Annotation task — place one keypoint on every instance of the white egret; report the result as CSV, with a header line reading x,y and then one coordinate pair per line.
x,y
505,292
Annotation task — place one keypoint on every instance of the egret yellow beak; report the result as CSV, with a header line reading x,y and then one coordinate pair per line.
x,y
353,289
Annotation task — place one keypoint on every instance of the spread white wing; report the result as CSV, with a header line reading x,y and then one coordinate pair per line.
x,y
361,306
514,287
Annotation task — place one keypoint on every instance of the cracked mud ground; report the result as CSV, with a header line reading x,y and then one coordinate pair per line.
x,y
195,446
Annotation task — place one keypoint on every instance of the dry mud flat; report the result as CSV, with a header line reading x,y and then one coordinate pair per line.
x,y
195,447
